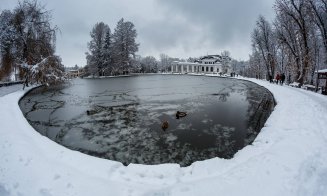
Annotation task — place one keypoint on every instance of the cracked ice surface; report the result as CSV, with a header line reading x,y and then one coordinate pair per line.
x,y
224,115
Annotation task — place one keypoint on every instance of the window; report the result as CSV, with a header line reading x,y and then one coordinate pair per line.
x,y
202,68
211,69
207,69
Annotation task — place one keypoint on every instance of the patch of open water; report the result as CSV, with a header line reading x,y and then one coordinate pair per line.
x,y
126,115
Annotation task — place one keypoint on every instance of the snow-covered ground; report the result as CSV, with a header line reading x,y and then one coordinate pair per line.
x,y
289,157
10,89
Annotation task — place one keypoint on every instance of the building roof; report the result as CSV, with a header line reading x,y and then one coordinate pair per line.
x,y
322,71
216,56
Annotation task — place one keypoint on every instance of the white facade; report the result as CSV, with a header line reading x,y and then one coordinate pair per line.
x,y
208,64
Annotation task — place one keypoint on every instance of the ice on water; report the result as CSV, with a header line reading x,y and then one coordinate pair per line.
x,y
124,123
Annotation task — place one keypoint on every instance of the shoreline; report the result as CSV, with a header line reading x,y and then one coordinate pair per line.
x,y
263,168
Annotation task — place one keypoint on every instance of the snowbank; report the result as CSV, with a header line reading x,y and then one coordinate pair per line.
x,y
287,158
7,89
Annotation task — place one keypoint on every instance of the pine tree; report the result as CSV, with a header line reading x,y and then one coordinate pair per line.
x,y
124,45
95,58
107,54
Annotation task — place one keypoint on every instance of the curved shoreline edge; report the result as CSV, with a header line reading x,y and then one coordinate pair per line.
x,y
277,162
258,108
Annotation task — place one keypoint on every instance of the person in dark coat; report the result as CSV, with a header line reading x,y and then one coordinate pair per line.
x,y
270,79
282,80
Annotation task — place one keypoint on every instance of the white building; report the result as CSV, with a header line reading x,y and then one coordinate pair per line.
x,y
208,64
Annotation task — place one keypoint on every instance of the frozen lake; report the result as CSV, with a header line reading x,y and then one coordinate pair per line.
x,y
126,114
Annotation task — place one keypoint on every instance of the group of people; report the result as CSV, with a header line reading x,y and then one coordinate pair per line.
x,y
279,79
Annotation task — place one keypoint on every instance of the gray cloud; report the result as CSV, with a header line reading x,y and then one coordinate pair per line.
x,y
179,28
224,23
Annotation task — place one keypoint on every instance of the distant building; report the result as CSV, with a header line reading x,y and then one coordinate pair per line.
x,y
208,64
73,72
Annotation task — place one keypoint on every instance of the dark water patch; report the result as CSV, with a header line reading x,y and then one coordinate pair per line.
x,y
125,117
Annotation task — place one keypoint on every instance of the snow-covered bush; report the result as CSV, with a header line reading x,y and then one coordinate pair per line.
x,y
49,71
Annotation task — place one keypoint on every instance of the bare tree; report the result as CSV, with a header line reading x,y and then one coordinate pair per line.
x,y
226,61
149,64
255,65
164,62
263,40
319,9
296,12
289,43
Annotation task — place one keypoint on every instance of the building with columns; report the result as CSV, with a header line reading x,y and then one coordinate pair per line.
x,y
208,64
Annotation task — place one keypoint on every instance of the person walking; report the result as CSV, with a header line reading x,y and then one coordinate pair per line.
x,y
277,78
282,80
270,78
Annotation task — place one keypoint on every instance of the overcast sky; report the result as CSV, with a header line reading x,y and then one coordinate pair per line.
x,y
178,28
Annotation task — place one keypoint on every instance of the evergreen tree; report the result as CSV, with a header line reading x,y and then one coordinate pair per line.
x,y
95,46
124,45
107,54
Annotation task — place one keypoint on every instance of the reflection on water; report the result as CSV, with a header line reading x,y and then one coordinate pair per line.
x,y
124,117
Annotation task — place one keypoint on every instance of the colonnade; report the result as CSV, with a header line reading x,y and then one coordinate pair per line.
x,y
194,68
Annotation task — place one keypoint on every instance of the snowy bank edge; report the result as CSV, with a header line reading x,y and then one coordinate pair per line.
x,y
23,155
41,140
68,156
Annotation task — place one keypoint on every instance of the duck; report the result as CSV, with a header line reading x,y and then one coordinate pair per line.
x,y
164,125
90,112
180,114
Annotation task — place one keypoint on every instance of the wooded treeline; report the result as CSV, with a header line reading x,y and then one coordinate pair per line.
x,y
111,53
115,53
295,43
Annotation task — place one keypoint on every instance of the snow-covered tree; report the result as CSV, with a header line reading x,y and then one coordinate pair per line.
x,y
319,10
7,40
296,44
112,53
136,64
264,41
256,68
49,71
124,45
299,15
31,39
95,58
149,64
166,62
107,54
226,61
